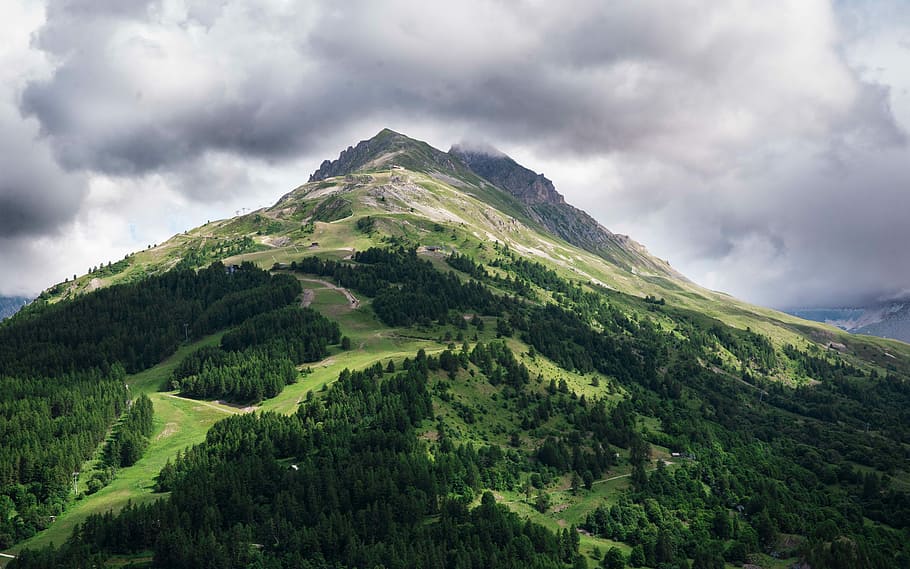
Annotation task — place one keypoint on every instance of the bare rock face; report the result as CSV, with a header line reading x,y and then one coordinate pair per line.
x,y
388,148
9,305
526,185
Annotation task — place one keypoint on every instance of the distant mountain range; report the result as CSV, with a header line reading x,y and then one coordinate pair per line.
x,y
886,320
10,305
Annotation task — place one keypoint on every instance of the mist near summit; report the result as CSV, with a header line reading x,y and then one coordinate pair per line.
x,y
761,149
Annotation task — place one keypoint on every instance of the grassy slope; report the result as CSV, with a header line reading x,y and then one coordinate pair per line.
x,y
178,424
421,209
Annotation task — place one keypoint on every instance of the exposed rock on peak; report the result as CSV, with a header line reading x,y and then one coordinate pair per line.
x,y
388,148
525,184
481,169
546,206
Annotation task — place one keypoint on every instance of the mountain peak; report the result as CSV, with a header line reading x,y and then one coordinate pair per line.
x,y
497,167
471,147
388,148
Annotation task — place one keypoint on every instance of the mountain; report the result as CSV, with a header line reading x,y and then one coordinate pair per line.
x,y
537,201
547,207
491,164
422,358
885,320
385,149
10,305
412,193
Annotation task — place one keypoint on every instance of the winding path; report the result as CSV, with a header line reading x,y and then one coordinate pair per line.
x,y
228,410
351,298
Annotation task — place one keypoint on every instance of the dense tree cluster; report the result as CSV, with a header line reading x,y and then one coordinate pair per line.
x,y
849,417
48,427
344,482
257,359
406,289
137,324
750,348
242,377
130,436
566,338
301,334
520,275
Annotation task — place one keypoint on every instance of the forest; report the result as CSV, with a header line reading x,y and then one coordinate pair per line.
x,y
346,480
258,358
406,290
63,368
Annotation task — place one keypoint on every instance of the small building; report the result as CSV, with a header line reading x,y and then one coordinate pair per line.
x,y
433,248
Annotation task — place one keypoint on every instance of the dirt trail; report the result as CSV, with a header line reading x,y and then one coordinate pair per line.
x,y
351,298
602,480
229,411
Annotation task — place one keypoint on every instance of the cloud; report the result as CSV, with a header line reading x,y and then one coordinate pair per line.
x,y
37,197
150,84
758,147
30,176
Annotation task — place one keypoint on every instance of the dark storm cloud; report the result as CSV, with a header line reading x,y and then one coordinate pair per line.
x,y
263,81
36,196
737,130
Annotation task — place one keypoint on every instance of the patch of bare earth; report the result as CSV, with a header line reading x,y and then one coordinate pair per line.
x,y
434,436
169,430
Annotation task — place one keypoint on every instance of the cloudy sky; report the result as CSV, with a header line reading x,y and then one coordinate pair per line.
x,y
759,146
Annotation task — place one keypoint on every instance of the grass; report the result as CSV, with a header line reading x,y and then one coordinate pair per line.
x,y
179,423
556,518
371,341
483,211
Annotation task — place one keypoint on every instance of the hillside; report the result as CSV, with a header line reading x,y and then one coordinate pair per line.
x,y
430,359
